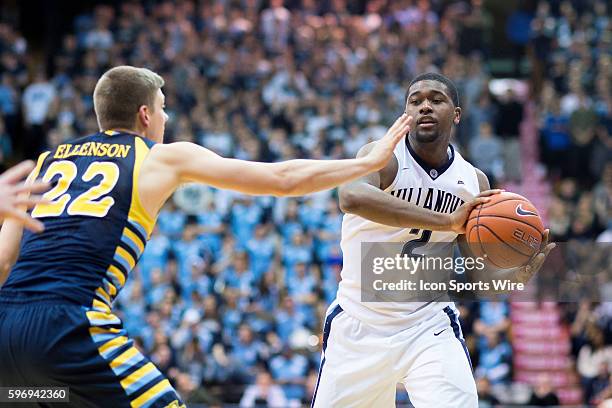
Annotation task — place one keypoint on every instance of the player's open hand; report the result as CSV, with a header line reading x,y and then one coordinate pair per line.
x,y
381,153
459,217
15,196
525,273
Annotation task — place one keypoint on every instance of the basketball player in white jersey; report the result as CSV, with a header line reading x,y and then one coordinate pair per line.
x,y
423,196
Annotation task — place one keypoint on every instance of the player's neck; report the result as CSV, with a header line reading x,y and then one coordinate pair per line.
x,y
135,132
435,154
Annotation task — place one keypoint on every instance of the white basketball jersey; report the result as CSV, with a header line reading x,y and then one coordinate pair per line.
x,y
439,189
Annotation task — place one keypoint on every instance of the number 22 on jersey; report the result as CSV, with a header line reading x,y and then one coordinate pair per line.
x,y
91,202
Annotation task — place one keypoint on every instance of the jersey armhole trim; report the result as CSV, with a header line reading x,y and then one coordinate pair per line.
x,y
137,210
34,174
477,178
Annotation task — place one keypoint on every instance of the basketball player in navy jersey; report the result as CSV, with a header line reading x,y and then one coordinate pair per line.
x,y
13,195
56,323
422,197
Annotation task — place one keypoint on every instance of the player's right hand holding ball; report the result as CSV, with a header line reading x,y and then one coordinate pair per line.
x,y
458,218
508,232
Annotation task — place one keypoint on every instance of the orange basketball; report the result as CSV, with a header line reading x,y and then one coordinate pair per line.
x,y
506,231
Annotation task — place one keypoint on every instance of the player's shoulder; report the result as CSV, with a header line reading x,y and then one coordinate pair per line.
x,y
483,180
467,167
388,172
172,152
179,157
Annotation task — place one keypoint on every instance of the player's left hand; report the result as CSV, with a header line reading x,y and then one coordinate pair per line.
x,y
382,151
525,273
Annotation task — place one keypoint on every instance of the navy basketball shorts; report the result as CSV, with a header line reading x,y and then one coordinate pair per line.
x,y
48,341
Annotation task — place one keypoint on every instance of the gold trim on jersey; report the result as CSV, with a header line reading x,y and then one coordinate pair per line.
x,y
126,360
140,379
124,257
132,240
100,306
98,319
134,235
137,212
105,295
107,348
39,164
116,276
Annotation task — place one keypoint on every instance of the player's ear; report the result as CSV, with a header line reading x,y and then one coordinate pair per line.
x,y
144,116
457,115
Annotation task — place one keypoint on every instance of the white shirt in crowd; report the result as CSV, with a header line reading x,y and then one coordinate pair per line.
x,y
37,99
272,394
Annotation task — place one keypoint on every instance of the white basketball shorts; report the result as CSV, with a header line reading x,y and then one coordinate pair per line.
x,y
361,368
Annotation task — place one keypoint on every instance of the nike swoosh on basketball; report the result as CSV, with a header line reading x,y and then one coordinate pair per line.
x,y
521,211
438,333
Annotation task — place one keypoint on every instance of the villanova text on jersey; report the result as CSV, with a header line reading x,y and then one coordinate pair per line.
x,y
432,199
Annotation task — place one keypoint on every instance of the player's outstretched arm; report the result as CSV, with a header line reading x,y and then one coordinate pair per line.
x,y
192,163
521,274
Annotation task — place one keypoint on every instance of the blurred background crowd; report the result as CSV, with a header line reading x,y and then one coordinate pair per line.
x,y
229,295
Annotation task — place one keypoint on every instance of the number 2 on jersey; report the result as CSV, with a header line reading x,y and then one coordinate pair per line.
x,y
85,203
410,246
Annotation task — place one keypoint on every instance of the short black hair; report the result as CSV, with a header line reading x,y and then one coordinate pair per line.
x,y
434,76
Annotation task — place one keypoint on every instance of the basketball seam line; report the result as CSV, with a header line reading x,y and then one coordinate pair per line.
x,y
487,205
502,241
508,218
478,232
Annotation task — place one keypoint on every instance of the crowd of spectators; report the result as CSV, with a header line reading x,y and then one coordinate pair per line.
x,y
233,288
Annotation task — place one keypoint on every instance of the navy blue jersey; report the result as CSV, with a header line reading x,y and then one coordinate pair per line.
x,y
56,303
95,226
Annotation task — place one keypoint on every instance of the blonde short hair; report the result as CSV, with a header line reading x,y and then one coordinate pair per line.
x,y
120,93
